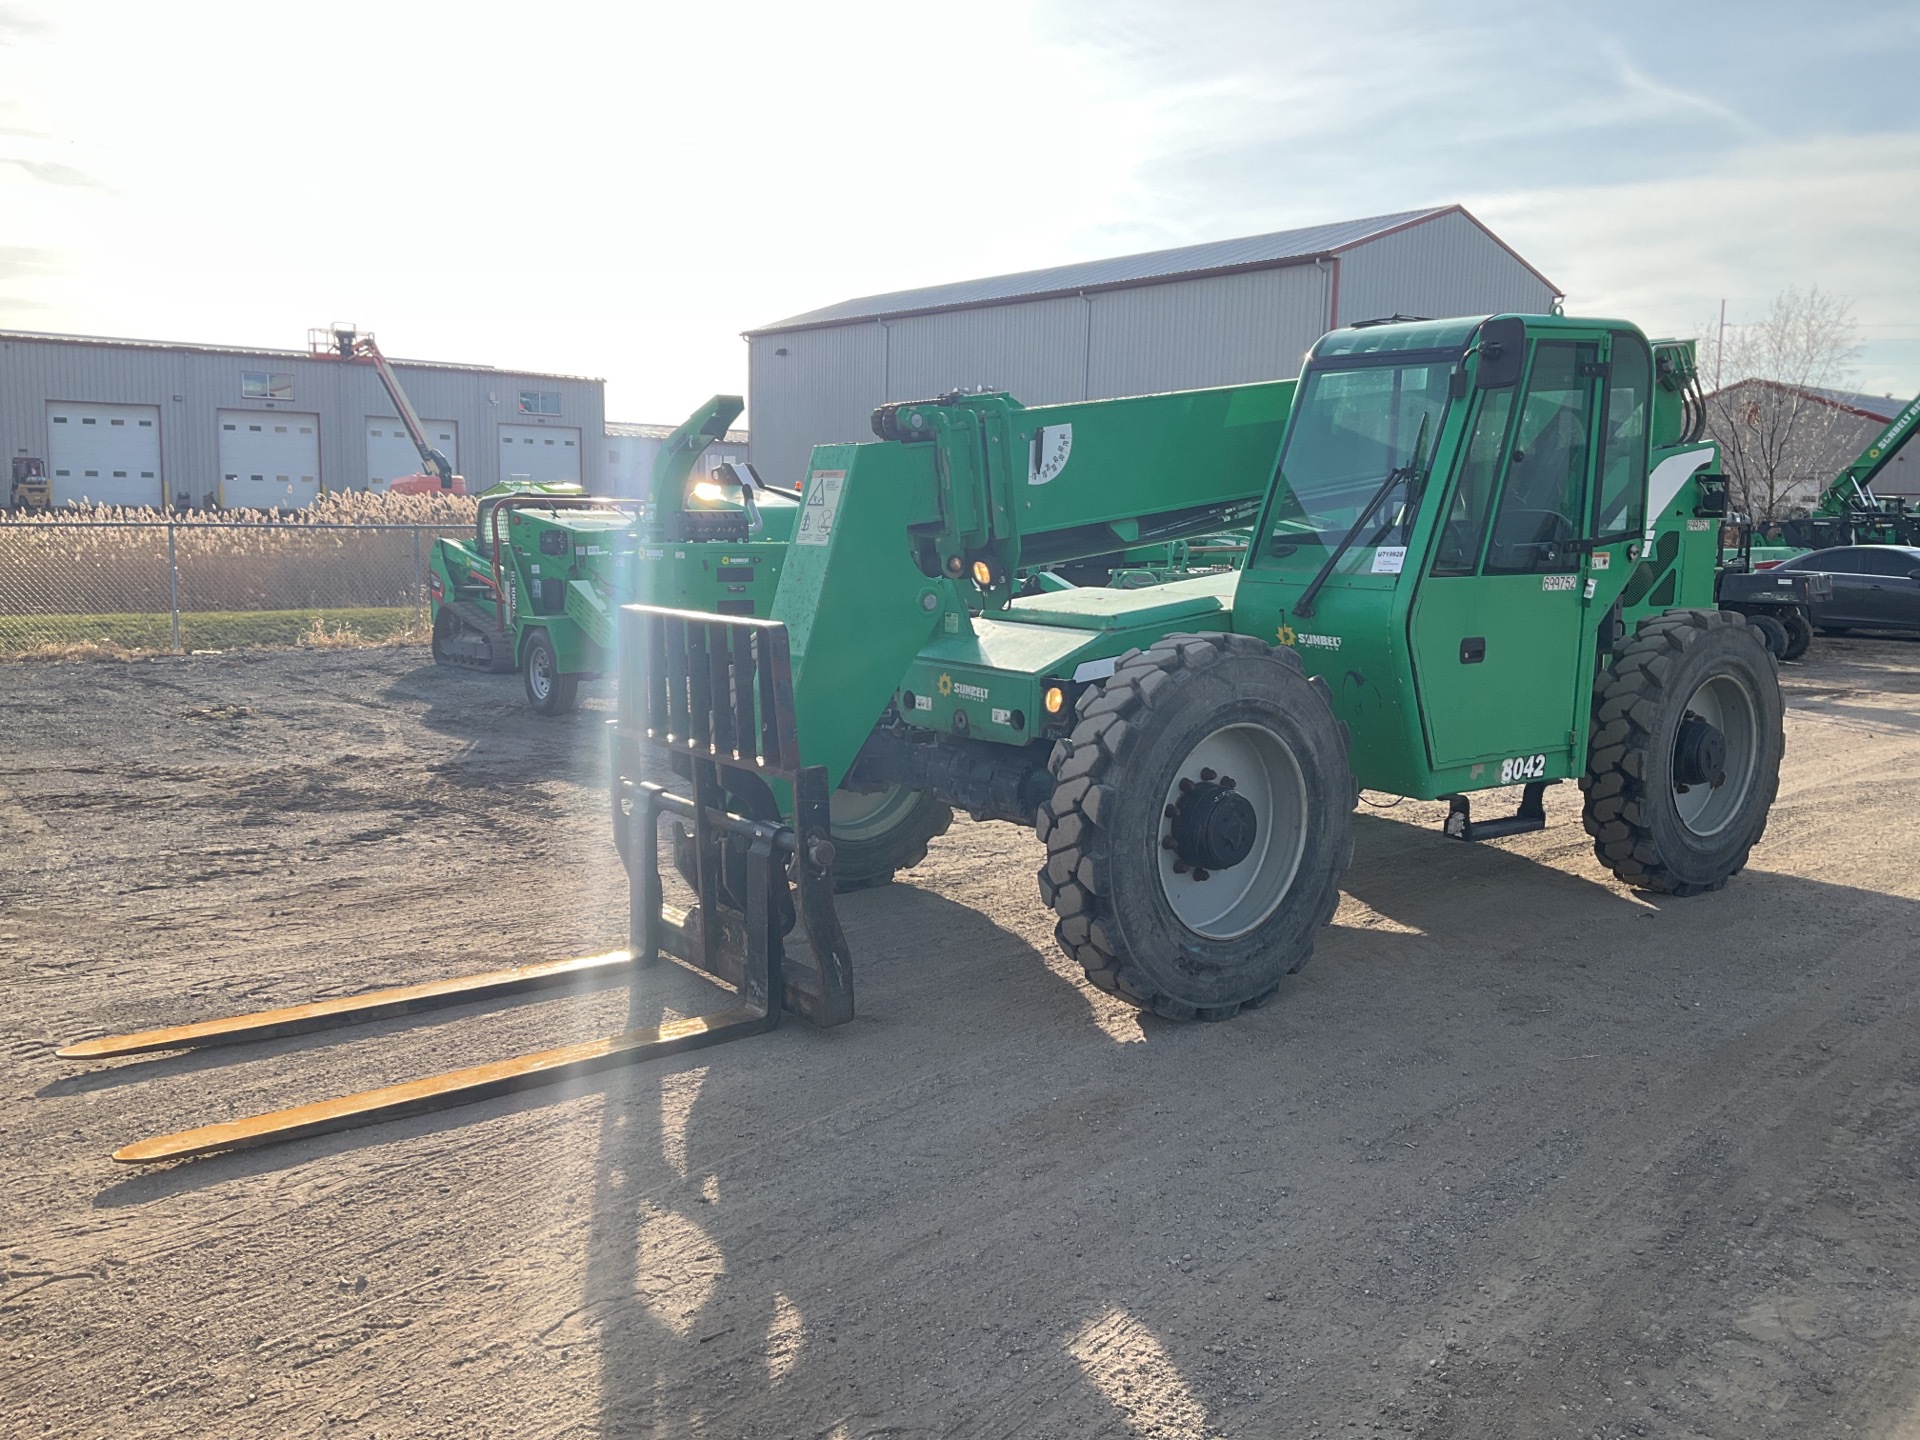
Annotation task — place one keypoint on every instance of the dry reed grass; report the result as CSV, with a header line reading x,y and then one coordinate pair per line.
x,y
110,560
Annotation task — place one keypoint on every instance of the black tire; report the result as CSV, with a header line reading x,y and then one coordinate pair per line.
x,y
1654,824
1110,828
548,691
1799,634
1772,633
871,848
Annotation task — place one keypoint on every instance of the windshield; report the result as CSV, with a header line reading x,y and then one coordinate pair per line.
x,y
1354,428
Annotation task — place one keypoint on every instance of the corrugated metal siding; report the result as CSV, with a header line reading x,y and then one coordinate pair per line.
x,y
191,385
821,391
1217,330
1440,268
1037,351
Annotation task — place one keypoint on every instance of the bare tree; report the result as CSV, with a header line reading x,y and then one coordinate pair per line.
x,y
1775,436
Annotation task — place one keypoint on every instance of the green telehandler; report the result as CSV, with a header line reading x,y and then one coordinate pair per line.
x,y
1483,556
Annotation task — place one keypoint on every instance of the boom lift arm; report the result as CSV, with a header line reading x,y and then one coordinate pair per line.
x,y
347,343
1852,488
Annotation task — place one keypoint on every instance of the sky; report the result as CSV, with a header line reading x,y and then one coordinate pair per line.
x,y
620,190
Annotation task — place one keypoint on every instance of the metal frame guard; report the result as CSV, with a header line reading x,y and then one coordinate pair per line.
x,y
712,697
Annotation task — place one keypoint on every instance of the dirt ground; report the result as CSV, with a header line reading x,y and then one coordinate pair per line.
x,y
1520,1154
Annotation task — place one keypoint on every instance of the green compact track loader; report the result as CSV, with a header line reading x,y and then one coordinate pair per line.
x,y
1482,556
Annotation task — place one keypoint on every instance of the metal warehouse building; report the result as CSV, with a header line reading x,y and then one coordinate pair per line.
x,y
631,450
1213,314
137,422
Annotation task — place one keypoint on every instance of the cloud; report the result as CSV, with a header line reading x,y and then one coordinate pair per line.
x,y
49,173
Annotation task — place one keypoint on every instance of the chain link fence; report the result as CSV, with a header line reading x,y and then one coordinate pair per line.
x,y
70,586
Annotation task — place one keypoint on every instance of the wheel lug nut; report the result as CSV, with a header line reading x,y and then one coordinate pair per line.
x,y
1201,874
1179,867
1167,843
1186,786
1227,782
1172,810
1209,774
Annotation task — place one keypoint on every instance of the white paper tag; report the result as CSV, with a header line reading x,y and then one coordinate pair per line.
x,y
823,503
1389,559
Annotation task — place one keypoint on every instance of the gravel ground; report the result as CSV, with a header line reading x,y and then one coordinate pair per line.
x,y
1520,1154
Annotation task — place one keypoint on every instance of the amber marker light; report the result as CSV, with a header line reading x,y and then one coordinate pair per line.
x,y
982,574
1056,699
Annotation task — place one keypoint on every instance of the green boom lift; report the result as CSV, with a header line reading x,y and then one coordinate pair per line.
x,y
1484,556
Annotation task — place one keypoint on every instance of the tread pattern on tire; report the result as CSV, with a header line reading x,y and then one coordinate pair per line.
x,y
913,851
1629,699
1104,730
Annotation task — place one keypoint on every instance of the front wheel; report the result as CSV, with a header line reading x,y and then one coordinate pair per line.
x,y
548,691
878,833
1687,738
1200,823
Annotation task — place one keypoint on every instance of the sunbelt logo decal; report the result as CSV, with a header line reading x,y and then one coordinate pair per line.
x,y
950,686
1299,640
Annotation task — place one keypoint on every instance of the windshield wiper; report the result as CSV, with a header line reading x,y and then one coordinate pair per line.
x,y
1406,472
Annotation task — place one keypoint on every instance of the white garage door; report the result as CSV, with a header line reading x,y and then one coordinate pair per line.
x,y
269,460
541,453
104,454
390,453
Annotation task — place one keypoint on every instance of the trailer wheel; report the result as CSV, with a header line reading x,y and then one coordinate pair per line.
x,y
877,834
548,691
1685,760
1772,632
1200,823
1799,634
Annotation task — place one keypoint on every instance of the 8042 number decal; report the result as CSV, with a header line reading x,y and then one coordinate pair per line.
x,y
1522,767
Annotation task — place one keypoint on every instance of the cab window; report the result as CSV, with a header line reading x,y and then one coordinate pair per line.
x,y
1544,501
1464,525
1621,497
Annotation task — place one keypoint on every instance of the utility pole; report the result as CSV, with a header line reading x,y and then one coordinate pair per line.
x,y
1720,345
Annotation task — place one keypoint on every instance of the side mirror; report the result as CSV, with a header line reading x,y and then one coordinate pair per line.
x,y
1503,353
1914,575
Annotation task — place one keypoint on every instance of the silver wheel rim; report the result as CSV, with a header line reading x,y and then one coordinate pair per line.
x,y
1232,902
867,815
540,673
1725,703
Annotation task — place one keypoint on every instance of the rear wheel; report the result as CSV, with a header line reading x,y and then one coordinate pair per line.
x,y
1799,634
1199,826
1685,760
548,691
1772,632
879,833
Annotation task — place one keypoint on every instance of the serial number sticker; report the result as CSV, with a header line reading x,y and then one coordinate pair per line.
x,y
1522,767
1002,717
923,702
1556,582
1699,524
823,503
1389,559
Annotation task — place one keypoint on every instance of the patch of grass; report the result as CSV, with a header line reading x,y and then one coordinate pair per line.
x,y
110,637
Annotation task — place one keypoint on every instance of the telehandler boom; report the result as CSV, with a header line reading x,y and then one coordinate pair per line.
x,y
1483,556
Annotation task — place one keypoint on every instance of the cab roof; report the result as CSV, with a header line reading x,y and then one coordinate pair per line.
x,y
1454,334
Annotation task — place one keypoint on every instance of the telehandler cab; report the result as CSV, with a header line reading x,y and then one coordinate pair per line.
x,y
1483,556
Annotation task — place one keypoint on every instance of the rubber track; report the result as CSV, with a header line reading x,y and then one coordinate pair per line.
x,y
1102,735
1629,700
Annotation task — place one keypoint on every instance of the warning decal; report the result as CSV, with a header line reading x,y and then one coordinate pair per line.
x,y
823,503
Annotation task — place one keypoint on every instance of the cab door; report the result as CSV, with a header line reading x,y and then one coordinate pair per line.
x,y
1497,625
